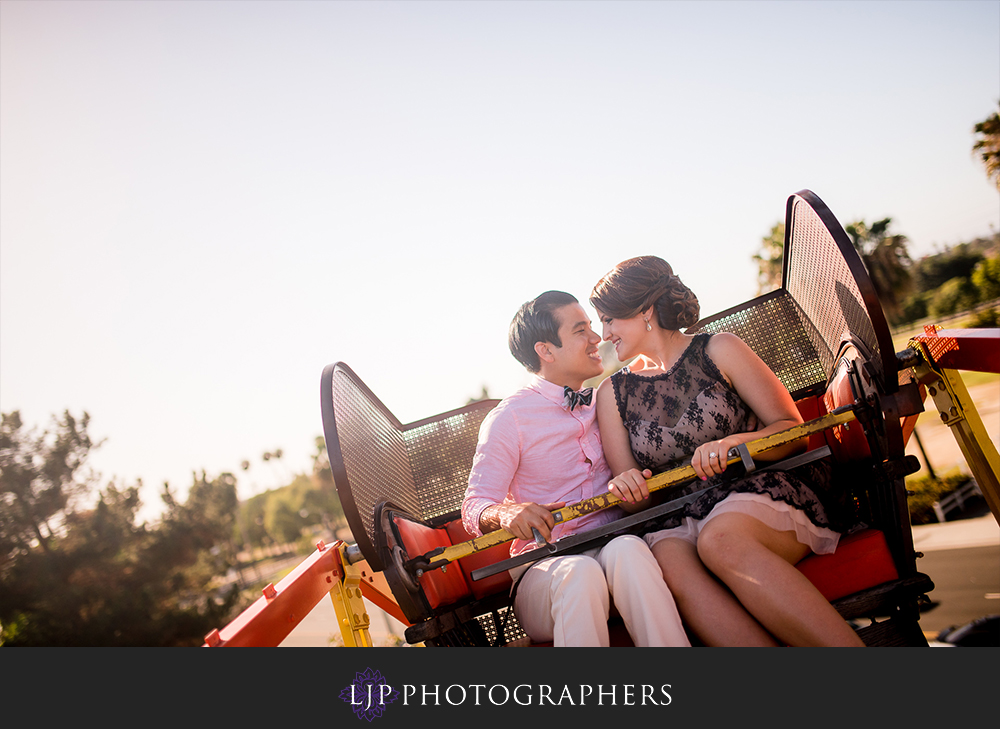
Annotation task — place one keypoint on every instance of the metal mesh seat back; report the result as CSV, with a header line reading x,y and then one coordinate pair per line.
x,y
441,450
825,276
421,468
368,456
775,329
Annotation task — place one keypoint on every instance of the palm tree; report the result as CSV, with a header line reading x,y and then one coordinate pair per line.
x,y
988,145
768,259
887,260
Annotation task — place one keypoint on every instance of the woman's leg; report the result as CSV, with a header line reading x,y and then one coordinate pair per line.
x,y
707,606
758,564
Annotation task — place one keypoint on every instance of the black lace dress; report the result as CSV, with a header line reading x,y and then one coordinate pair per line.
x,y
668,415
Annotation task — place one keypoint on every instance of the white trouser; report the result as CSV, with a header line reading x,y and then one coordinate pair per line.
x,y
566,599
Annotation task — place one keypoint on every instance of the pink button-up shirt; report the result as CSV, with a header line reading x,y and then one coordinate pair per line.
x,y
532,448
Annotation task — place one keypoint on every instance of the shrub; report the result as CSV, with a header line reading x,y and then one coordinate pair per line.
x,y
927,491
987,318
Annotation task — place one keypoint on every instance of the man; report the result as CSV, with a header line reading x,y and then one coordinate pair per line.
x,y
539,450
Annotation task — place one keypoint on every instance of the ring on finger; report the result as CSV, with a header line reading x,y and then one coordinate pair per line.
x,y
713,455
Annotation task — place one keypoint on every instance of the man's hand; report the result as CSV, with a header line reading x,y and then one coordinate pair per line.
x,y
519,519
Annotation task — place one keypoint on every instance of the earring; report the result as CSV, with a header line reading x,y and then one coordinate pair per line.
x,y
648,328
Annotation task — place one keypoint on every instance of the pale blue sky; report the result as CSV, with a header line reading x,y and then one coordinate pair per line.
x,y
204,203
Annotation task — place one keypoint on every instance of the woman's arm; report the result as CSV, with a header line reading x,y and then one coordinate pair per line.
x,y
762,391
630,483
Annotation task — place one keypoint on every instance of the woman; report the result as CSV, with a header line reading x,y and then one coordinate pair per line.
x,y
730,557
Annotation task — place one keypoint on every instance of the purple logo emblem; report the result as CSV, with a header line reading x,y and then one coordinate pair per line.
x,y
369,694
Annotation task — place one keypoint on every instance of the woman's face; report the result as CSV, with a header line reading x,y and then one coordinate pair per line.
x,y
628,335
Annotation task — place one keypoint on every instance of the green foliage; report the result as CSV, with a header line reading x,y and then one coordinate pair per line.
x,y
953,296
887,260
927,491
86,574
41,475
769,259
987,145
279,516
986,278
987,318
958,261
953,281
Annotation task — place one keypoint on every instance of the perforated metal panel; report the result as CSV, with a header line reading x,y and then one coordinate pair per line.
x,y
421,468
774,328
826,277
441,454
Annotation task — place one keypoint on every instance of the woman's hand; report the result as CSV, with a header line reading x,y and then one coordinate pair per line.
x,y
710,458
630,486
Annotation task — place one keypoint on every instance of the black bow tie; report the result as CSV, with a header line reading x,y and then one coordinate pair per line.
x,y
574,398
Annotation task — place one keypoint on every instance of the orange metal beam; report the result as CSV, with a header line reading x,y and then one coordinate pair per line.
x,y
273,616
283,606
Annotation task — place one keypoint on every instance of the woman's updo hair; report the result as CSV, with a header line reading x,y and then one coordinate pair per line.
x,y
634,285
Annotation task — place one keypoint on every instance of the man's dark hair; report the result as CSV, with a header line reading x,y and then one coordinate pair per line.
x,y
535,322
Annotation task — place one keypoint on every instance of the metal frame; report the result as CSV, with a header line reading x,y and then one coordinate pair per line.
x,y
352,573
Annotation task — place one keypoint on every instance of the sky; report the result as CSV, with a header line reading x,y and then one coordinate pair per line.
x,y
203,204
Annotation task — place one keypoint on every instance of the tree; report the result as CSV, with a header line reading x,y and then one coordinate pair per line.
x,y
887,260
956,261
41,475
986,278
951,297
79,571
987,145
769,259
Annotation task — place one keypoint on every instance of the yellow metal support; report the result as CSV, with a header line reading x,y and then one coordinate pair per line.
x,y
958,412
352,615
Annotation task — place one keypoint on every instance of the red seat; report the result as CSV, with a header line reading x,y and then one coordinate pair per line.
x,y
862,560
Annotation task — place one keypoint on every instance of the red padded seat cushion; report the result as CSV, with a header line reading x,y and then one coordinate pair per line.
x,y
862,560
497,553
442,586
811,408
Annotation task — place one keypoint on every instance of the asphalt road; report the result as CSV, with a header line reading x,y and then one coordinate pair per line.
x,y
966,586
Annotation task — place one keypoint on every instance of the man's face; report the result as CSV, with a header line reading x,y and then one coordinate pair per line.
x,y
577,359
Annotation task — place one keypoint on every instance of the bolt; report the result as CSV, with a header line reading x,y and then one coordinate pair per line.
x,y
944,417
269,592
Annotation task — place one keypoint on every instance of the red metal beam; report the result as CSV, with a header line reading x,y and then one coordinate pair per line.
x,y
963,349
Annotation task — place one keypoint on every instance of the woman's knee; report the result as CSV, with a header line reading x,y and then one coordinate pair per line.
x,y
677,559
724,542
